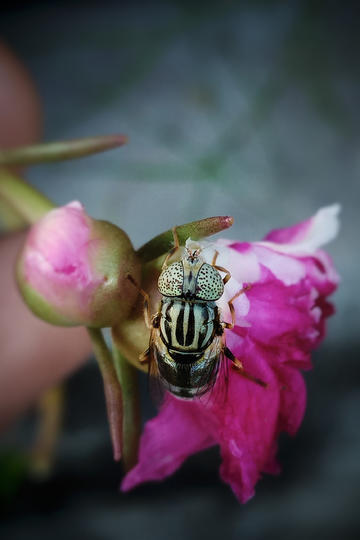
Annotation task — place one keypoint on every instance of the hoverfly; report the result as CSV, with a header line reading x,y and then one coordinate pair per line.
x,y
187,335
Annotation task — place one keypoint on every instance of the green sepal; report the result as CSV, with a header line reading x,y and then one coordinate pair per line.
x,y
194,230
37,304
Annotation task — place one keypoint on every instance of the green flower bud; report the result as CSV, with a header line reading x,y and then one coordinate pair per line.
x,y
73,269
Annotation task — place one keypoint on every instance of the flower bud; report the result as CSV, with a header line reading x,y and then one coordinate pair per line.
x,y
73,269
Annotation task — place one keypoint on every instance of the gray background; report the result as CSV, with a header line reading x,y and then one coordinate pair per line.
x,y
247,109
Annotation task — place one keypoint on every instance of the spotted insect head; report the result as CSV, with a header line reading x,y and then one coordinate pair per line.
x,y
191,277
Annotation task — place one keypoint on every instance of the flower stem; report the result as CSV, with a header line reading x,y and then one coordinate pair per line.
x,y
112,388
59,151
195,230
9,218
51,407
21,199
128,379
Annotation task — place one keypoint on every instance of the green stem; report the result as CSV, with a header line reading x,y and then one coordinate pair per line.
x,y
51,411
194,230
9,218
22,199
128,378
60,151
113,393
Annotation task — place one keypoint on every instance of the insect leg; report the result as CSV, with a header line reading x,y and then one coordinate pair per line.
x,y
220,268
147,314
232,309
238,366
213,262
173,249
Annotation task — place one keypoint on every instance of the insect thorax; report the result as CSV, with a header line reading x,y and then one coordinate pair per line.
x,y
188,326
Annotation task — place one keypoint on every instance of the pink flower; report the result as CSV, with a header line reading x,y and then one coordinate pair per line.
x,y
72,269
278,323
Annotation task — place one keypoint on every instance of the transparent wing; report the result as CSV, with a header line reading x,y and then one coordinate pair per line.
x,y
215,389
156,387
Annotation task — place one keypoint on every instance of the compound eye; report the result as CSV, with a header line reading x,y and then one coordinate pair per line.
x,y
209,284
170,282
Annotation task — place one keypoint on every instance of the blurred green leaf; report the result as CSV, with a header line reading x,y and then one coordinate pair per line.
x,y
13,471
21,199
60,151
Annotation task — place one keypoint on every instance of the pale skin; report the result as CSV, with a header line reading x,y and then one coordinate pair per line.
x,y
34,356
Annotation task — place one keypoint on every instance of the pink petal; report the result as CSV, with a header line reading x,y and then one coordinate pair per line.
x,y
280,315
290,235
321,272
288,269
178,431
306,237
56,257
61,238
248,422
244,268
292,399
239,259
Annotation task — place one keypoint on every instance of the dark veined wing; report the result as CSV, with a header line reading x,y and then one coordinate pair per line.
x,y
210,389
215,390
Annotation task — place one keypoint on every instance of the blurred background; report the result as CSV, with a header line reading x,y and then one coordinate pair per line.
x,y
244,108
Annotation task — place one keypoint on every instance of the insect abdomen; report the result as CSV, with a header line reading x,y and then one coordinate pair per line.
x,y
189,375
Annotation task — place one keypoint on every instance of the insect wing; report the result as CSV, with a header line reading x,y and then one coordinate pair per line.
x,y
155,385
215,390
221,386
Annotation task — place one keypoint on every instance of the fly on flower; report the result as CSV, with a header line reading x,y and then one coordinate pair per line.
x,y
278,322
187,334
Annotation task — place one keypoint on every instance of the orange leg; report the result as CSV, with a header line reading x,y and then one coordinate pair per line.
x,y
232,309
173,249
144,357
213,262
239,368
220,268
